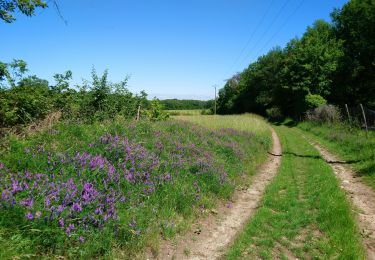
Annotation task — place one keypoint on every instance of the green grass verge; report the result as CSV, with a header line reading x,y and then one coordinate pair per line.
x,y
194,167
349,143
186,112
304,213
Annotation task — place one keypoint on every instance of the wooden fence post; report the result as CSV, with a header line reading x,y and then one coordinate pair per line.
x,y
347,111
138,112
364,118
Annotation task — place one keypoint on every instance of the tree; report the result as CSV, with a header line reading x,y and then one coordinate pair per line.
x,y
228,94
12,71
310,66
27,7
355,26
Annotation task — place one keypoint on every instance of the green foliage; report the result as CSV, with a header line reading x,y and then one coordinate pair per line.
x,y
26,102
156,112
26,99
332,60
274,113
185,104
354,23
313,101
27,7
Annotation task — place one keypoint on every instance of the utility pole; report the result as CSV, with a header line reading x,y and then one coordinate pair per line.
x,y
215,101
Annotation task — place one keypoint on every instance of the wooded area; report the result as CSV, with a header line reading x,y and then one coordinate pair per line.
x,y
331,63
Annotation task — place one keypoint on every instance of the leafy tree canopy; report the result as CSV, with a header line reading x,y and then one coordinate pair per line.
x,y
27,7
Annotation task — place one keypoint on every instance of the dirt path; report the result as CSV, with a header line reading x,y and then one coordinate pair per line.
x,y
362,197
211,237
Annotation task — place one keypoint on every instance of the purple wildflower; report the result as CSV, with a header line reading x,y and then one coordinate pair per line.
x,y
76,207
61,222
60,208
27,202
81,239
29,215
69,229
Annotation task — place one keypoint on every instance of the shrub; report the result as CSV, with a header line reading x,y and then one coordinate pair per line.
x,y
156,113
274,113
313,101
324,114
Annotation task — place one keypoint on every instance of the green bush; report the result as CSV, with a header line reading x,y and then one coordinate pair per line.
x,y
313,101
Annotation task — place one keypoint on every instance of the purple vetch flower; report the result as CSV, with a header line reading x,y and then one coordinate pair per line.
x,y
1,166
129,176
26,186
81,239
16,187
167,177
76,207
29,202
98,211
28,175
5,195
61,222
47,202
111,170
159,145
69,229
29,215
60,208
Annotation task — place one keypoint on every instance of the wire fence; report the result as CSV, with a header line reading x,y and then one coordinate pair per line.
x,y
360,115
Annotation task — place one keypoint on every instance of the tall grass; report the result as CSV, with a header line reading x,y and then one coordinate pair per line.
x,y
187,112
247,122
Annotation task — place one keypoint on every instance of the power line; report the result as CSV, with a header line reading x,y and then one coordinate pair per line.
x,y
281,27
251,36
269,27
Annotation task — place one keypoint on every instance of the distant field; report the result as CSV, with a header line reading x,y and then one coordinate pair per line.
x,y
248,122
185,112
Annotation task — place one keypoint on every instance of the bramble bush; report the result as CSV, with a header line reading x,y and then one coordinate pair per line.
x,y
27,99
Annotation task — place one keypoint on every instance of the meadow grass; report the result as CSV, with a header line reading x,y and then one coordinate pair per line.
x,y
304,213
246,122
187,112
111,189
350,143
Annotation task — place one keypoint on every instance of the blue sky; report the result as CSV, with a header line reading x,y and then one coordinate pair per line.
x,y
169,48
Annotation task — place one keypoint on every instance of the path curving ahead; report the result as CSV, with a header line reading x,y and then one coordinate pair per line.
x,y
216,233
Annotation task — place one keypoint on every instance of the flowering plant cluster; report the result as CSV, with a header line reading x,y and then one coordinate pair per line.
x,y
103,183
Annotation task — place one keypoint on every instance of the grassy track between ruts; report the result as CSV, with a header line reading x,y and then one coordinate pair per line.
x,y
351,144
304,213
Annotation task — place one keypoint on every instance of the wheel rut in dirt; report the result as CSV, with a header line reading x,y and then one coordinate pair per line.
x,y
217,232
362,197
